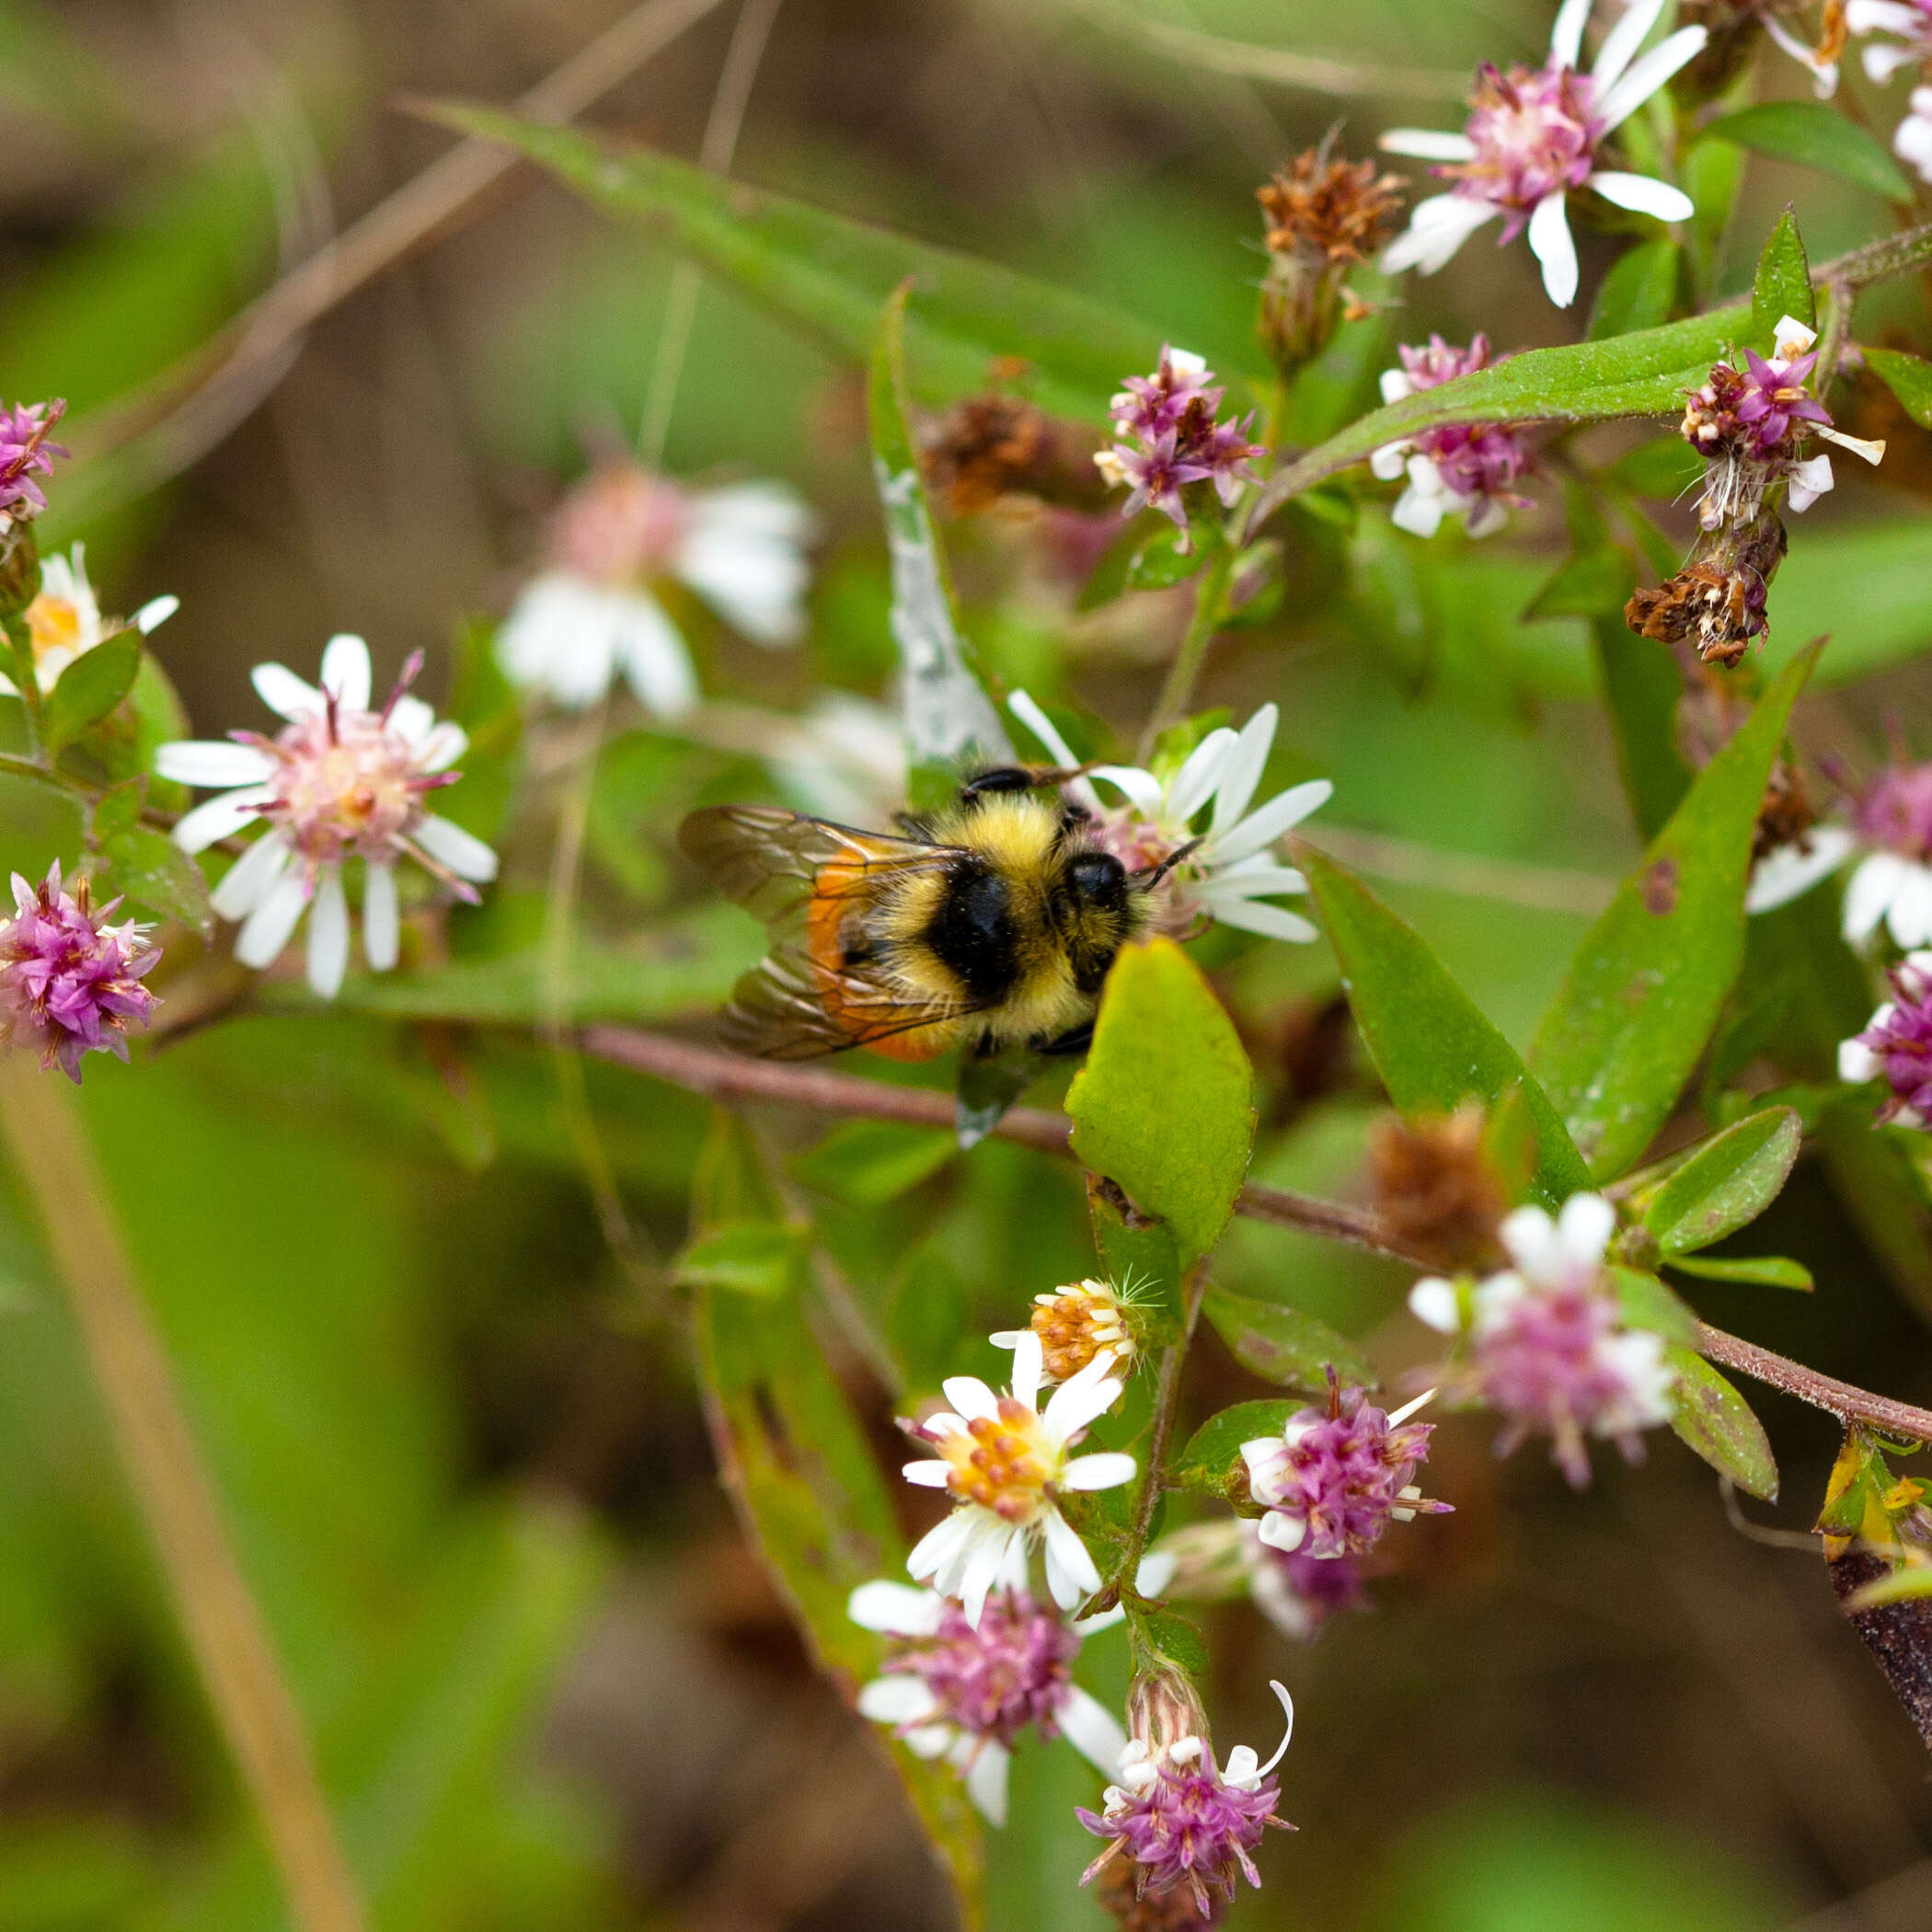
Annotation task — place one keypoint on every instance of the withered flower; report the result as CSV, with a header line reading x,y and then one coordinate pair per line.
x,y
1324,215
1435,1187
987,447
1716,602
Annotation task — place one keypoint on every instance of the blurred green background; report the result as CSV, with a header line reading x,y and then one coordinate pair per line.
x,y
460,1448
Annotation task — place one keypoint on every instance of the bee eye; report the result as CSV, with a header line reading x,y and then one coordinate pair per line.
x,y
1097,878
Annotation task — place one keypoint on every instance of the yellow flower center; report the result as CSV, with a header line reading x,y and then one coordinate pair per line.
x,y
54,624
1001,1463
1075,1324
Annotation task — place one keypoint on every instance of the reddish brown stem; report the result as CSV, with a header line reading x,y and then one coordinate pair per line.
x,y
1848,1403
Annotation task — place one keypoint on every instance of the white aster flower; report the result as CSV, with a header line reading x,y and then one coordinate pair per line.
x,y
1005,1463
965,1691
65,622
592,611
1230,872
1532,137
337,781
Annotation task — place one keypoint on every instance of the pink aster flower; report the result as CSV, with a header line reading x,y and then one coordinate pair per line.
x,y
967,1692
1892,883
1464,468
1183,1820
340,781
1546,1346
1172,439
1896,1045
1750,424
24,454
1334,1478
70,983
1533,137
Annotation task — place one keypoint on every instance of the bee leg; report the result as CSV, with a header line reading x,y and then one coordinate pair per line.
x,y
1075,1040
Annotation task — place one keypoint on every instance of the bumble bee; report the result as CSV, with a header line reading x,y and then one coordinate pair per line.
x,y
991,924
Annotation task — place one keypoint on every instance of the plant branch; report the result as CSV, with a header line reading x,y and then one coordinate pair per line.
x,y
1879,261
1184,673
225,1628
729,1076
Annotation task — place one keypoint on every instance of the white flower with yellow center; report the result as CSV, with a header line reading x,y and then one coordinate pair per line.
x,y
64,620
1075,1325
1005,1461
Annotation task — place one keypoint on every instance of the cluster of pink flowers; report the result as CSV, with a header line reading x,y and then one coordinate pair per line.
x,y
1172,439
70,983
1749,425
1467,468
1334,1478
24,454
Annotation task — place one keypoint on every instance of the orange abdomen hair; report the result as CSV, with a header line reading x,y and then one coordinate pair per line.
x,y
825,915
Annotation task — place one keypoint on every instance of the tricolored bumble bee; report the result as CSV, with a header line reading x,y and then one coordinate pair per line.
x,y
991,925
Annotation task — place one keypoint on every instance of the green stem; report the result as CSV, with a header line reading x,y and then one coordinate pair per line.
x,y
26,677
13,767
1210,606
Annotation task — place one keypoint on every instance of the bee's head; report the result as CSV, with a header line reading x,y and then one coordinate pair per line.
x,y
1097,882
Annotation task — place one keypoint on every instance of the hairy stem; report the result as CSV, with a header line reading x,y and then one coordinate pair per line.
x,y
729,1076
1210,602
225,1628
1879,261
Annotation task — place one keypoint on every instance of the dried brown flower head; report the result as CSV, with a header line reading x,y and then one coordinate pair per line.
x,y
995,445
1174,1910
1718,601
1787,813
1342,211
1436,1188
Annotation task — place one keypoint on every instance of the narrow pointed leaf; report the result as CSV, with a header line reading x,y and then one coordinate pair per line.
x,y
1649,980
1783,285
827,275
1214,1448
1814,136
1709,1415
1728,1182
1764,1271
1430,1045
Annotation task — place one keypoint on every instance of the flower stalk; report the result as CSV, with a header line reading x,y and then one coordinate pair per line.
x,y
1184,673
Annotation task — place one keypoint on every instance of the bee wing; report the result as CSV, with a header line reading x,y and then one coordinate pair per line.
x,y
771,861
784,1009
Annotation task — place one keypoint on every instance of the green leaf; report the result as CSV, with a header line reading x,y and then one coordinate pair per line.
x,y
1161,562
1641,687
756,1258
1215,1448
1639,290
1665,467
1814,136
1138,1253
1589,584
1710,173
1162,1637
871,1162
1909,377
155,872
795,1460
1783,283
1643,374
1164,1104
118,809
949,718
1709,1415
1430,1045
1646,1302
90,687
1282,1344
1727,1183
1765,1271
1649,980
829,275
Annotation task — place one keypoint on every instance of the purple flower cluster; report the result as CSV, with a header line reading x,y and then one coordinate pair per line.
x,y
1896,1046
24,454
1467,467
1012,1671
1172,439
1534,130
69,982
1298,1592
1331,1480
1896,811
1183,1824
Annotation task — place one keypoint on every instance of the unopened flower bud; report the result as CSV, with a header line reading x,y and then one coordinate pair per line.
x,y
1435,1187
1075,1323
1324,215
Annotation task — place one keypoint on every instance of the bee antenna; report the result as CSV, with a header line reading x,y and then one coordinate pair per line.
x,y
1147,880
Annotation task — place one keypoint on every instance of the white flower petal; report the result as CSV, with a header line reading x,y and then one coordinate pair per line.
x,y
1644,194
986,1557
1281,814
1255,878
756,582
1910,913
1042,727
1080,1399
1389,462
1396,387
1283,1532
1623,40
895,1609
1272,922
1566,38
1028,1369
155,612
1142,788
329,935
284,694
1884,59
987,1780
1419,511
1200,773
1433,1302
220,817
1552,243
209,761
273,924
466,854
1070,1570
1437,228
1092,1730
411,719
251,877
1531,1238
928,1473
930,1742
1790,870
1105,1470
1856,1061
1242,772
1874,886
1871,448
560,638
345,670
897,1698
1649,72
936,1550
652,651
382,936
1809,480
1427,144
970,1397
1585,1227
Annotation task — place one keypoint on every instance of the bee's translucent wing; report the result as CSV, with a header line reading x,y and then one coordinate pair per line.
x,y
787,1007
773,862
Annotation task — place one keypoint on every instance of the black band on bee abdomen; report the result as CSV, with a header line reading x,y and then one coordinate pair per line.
x,y
972,932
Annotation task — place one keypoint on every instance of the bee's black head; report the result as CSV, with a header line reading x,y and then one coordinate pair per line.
x,y
1096,881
